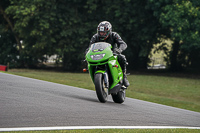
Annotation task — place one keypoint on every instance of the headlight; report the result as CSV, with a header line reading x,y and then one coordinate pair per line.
x,y
97,56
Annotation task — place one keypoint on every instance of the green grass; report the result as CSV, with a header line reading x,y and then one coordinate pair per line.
x,y
117,131
178,92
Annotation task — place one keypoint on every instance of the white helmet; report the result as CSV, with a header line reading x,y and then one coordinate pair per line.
x,y
104,29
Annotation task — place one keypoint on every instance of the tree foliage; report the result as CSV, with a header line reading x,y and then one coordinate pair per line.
x,y
181,18
64,28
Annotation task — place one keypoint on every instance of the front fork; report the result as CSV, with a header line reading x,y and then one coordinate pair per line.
x,y
105,76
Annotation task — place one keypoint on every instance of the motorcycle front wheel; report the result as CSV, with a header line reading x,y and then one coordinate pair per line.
x,y
101,91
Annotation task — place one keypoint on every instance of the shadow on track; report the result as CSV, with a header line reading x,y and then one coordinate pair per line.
x,y
83,98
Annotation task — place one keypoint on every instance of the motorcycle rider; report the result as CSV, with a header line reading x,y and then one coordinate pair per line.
x,y
105,34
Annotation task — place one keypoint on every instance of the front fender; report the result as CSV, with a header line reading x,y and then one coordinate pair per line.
x,y
100,71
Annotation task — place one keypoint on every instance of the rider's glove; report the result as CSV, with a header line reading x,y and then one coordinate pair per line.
x,y
118,51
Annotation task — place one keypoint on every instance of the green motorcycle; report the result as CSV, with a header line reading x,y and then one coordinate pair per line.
x,y
105,72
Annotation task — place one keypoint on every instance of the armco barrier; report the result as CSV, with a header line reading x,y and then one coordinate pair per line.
x,y
3,68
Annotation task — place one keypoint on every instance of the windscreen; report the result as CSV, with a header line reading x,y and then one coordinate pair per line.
x,y
97,47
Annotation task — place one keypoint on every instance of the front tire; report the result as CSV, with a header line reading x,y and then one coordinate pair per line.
x,y
101,91
119,97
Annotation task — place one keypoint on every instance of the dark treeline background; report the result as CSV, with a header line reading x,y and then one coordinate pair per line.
x,y
30,29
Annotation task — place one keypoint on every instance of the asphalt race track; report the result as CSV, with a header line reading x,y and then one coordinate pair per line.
x,y
26,102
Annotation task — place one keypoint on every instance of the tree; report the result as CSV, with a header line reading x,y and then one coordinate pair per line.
x,y
135,23
65,28
182,19
8,50
47,28
9,21
10,46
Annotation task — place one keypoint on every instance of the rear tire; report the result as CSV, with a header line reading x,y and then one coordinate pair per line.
x,y
101,91
119,97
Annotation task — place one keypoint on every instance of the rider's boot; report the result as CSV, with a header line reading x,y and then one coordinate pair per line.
x,y
123,64
126,82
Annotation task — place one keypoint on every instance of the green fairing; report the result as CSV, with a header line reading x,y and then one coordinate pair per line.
x,y
107,50
116,72
107,59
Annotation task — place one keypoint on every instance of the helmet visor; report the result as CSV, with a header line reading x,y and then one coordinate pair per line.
x,y
102,33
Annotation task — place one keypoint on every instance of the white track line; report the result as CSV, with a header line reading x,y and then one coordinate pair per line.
x,y
94,127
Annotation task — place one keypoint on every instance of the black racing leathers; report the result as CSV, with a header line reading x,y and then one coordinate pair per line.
x,y
118,46
114,39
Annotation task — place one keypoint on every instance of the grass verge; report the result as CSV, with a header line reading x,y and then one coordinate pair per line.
x,y
173,91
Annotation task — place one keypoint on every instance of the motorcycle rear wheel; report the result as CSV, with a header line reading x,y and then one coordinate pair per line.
x,y
101,91
119,97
